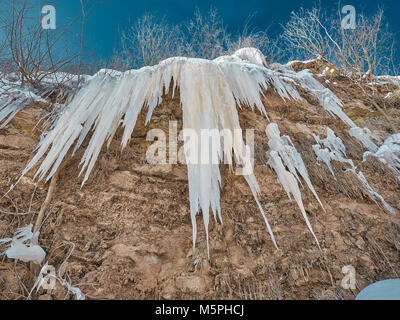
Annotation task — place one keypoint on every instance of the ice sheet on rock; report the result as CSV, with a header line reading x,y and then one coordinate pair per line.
x,y
388,153
386,79
366,137
326,98
304,79
24,246
334,149
330,148
332,142
14,97
251,55
324,155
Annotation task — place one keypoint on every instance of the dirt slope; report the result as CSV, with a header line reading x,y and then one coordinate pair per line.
x,y
130,224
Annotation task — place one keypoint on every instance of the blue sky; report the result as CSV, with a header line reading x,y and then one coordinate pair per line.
x,y
108,16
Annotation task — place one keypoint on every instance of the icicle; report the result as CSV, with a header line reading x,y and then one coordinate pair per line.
x,y
255,189
335,150
289,183
375,195
326,98
40,281
324,156
388,153
74,290
209,92
280,150
290,156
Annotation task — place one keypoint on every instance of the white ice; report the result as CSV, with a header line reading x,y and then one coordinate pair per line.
x,y
366,137
281,155
210,92
332,148
24,246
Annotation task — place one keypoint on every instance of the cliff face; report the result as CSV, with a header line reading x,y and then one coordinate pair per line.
x,y
130,227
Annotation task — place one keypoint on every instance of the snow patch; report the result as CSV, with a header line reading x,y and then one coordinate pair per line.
x,y
386,79
14,97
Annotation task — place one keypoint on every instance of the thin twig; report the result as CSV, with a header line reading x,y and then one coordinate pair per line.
x,y
47,201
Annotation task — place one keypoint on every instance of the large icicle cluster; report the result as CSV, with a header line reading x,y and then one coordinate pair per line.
x,y
332,148
281,155
209,93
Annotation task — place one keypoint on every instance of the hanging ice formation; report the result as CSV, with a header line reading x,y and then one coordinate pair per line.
x,y
24,246
40,281
304,79
374,195
366,137
332,148
209,94
388,153
281,155
13,100
14,97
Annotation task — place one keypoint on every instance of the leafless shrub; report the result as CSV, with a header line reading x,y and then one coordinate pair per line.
x,y
250,37
361,53
37,53
148,42
4,51
304,34
34,60
366,50
207,37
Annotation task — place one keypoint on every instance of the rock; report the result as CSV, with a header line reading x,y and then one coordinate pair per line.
x,y
194,284
124,180
17,142
152,170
